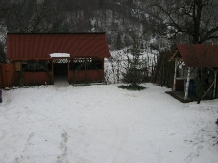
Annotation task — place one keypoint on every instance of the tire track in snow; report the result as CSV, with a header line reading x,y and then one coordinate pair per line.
x,y
197,142
2,134
63,158
120,133
23,157
195,148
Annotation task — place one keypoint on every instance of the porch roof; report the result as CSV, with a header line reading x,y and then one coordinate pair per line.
x,y
36,46
199,55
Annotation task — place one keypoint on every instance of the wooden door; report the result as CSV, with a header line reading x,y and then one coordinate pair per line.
x,y
7,75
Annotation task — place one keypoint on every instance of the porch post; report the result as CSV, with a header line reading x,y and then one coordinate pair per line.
x,y
0,96
52,67
102,63
215,76
187,84
68,69
174,81
68,65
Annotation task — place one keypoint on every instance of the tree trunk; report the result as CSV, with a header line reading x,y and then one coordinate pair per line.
x,y
187,84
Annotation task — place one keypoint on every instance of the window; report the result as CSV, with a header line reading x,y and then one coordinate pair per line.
x,y
86,64
36,66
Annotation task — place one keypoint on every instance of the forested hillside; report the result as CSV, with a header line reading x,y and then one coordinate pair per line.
x,y
157,24
123,20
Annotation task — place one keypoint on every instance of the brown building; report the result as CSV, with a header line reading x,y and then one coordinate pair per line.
x,y
39,58
195,57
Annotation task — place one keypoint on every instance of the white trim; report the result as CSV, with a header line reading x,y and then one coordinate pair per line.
x,y
53,55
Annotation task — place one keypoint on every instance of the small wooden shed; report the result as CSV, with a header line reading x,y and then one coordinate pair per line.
x,y
193,56
37,58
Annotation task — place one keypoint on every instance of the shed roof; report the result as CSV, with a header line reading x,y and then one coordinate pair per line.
x,y
199,55
38,46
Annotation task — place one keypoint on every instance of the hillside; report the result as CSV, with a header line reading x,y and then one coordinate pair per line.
x,y
124,21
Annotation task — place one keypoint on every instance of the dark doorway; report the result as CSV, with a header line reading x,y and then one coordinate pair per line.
x,y
60,67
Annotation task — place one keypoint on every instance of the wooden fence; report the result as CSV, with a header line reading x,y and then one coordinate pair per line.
x,y
6,75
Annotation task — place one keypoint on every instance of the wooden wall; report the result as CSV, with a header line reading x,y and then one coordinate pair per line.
x,y
9,77
34,78
6,75
85,76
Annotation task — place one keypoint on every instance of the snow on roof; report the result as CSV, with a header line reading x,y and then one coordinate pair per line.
x,y
59,55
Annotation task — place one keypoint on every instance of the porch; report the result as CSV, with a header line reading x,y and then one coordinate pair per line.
x,y
179,95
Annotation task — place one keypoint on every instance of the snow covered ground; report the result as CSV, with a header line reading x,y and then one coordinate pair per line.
x,y
105,124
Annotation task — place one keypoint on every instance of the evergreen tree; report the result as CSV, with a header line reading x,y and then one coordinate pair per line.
x,y
133,75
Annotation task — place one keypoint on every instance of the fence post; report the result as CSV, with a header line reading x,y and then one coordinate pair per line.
x,y
0,96
187,84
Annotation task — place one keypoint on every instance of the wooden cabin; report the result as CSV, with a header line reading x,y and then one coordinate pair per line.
x,y
38,58
195,56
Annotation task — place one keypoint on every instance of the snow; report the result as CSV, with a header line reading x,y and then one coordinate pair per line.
x,y
115,66
59,55
122,54
103,123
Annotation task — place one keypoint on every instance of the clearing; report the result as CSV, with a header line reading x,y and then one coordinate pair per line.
x,y
105,124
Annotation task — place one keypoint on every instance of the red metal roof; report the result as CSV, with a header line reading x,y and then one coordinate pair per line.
x,y
199,55
39,46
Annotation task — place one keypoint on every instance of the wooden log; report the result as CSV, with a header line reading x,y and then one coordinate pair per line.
x,y
187,84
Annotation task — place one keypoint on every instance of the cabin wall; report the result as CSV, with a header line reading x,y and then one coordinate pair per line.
x,y
15,75
34,78
85,76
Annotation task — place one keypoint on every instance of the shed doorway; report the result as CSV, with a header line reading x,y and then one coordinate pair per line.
x,y
60,68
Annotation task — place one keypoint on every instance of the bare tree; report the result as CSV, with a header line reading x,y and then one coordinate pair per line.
x,y
196,19
193,21
30,16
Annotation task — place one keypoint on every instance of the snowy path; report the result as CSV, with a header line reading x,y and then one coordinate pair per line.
x,y
102,123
